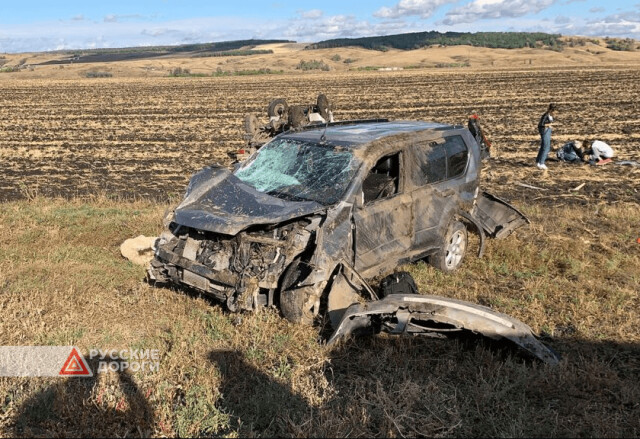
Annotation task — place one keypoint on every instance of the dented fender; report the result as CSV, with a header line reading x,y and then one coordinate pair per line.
x,y
426,314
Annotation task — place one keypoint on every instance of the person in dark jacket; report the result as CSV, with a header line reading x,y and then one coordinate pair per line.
x,y
571,152
479,134
544,128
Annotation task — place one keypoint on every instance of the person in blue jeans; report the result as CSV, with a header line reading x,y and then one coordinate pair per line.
x,y
571,152
544,128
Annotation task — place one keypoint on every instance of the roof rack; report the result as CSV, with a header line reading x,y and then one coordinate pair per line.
x,y
314,126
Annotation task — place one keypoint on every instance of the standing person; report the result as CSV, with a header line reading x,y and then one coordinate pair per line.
x,y
544,128
479,134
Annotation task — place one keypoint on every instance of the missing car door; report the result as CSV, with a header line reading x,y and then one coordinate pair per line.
x,y
383,221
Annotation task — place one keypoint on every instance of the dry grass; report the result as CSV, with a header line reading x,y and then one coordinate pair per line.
x,y
287,56
572,275
63,282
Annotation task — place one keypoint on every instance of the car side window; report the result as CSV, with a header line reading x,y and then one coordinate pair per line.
x,y
457,156
383,179
430,163
440,161
436,165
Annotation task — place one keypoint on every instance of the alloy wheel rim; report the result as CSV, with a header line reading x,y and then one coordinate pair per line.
x,y
455,249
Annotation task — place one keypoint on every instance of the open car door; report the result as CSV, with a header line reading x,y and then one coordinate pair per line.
x,y
497,217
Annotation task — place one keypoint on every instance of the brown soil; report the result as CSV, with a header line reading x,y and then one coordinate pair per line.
x,y
145,137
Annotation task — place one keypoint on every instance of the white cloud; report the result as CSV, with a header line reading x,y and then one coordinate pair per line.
x,y
311,15
623,25
405,8
596,10
78,17
128,31
71,35
342,26
493,9
117,18
618,25
561,19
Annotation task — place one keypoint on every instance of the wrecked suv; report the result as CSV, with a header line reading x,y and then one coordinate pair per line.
x,y
320,209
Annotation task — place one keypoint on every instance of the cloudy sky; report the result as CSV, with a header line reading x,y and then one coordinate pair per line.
x,y
39,25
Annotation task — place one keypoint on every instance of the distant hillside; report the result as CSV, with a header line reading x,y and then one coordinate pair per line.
x,y
133,53
416,40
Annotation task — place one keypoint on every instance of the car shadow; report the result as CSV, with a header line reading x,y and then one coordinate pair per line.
x,y
71,408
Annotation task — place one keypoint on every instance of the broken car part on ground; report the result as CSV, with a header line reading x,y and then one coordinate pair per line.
x,y
320,206
408,313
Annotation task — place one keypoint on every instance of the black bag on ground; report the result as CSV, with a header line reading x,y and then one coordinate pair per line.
x,y
398,283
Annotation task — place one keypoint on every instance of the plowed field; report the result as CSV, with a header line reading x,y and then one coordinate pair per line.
x,y
572,275
144,137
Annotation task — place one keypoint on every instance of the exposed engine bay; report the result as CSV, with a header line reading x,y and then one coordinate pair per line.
x,y
244,270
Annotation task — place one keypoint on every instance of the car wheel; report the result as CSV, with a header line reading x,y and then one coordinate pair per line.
x,y
298,305
297,118
277,108
251,124
452,253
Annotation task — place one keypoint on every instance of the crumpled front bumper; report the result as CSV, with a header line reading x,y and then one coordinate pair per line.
x,y
417,314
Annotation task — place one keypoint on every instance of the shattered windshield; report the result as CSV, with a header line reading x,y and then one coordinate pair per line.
x,y
300,171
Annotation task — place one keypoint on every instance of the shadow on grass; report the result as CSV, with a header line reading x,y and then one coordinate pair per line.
x,y
383,386
386,386
256,402
68,408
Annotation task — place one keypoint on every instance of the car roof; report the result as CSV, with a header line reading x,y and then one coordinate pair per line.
x,y
353,133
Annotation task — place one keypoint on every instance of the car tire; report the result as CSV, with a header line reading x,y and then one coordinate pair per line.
x,y
323,106
297,118
251,124
295,303
450,256
297,306
277,108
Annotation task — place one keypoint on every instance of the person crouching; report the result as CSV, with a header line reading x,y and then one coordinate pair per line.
x,y
599,154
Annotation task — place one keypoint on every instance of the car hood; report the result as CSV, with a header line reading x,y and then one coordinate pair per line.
x,y
217,201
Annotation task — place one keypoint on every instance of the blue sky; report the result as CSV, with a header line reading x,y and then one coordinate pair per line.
x,y
36,25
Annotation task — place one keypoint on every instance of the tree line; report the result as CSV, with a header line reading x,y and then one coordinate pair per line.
x,y
416,40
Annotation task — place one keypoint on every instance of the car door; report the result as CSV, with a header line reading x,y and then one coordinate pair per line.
x,y
438,172
497,217
383,225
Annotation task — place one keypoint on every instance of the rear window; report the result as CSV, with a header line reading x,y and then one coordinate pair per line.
x,y
439,162
457,156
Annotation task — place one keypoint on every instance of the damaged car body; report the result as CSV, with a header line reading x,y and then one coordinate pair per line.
x,y
319,209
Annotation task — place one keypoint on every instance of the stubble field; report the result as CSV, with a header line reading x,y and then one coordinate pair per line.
x,y
86,164
144,137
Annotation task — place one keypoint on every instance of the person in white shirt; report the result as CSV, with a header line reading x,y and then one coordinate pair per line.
x,y
598,153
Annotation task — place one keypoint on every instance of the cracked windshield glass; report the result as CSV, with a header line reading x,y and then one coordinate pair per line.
x,y
300,171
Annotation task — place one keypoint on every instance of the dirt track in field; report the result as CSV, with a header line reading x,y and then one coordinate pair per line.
x,y
145,137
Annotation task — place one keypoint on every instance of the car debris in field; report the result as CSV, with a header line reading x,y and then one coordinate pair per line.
x,y
360,197
409,313
282,117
